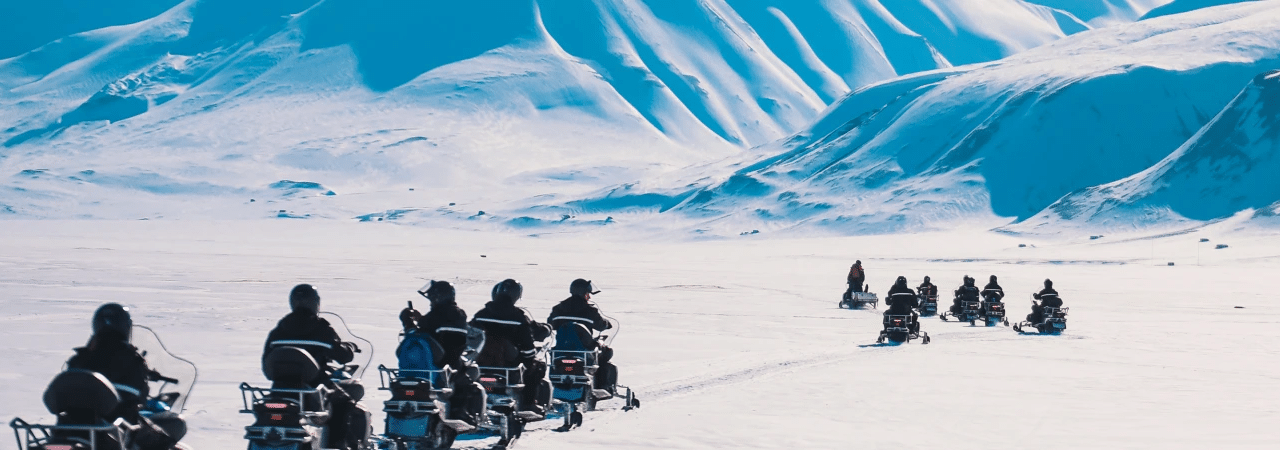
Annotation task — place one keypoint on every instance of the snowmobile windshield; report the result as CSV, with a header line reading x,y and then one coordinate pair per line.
x,y
612,332
173,377
364,356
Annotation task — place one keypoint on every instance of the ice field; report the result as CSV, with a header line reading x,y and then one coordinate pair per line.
x,y
734,343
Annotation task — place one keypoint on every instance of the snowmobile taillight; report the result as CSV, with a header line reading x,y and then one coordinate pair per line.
x,y
488,380
409,392
58,447
276,405
277,417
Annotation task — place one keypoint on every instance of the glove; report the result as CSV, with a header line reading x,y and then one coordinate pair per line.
x,y
409,318
351,347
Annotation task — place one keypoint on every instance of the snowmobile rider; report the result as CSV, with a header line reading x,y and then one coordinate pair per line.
x,y
500,318
855,279
927,288
992,292
447,324
966,292
1047,297
305,329
902,300
110,353
578,308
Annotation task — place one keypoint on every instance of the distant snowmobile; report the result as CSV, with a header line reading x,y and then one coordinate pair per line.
x,y
84,401
1050,320
574,361
928,303
970,311
856,300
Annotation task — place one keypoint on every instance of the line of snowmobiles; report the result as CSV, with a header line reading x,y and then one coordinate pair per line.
x,y
420,413
990,310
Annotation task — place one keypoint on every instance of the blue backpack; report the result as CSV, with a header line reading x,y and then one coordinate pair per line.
x,y
420,357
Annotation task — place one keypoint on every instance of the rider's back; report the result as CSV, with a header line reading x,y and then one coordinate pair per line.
x,y
1049,297
311,333
120,363
577,309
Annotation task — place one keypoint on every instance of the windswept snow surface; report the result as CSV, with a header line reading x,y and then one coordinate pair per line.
x,y
195,111
996,142
729,344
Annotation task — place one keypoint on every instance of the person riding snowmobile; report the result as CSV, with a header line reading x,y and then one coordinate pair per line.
x,y
305,329
110,353
966,292
927,287
902,300
1048,297
578,308
992,292
855,279
447,324
500,318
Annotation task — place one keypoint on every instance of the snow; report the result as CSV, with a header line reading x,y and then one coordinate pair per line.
x,y
728,343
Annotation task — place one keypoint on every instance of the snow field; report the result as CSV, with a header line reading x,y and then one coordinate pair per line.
x,y
735,342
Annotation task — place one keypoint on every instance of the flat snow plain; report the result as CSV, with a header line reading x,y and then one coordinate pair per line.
x,y
730,343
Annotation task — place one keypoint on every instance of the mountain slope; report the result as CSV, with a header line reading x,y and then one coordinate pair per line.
x,y
1004,139
1229,166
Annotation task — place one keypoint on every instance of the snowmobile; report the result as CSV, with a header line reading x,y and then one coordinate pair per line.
x,y
898,329
1053,320
970,311
992,311
928,303
418,414
83,400
292,415
855,300
574,361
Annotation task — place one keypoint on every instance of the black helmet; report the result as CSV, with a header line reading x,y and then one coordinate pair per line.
x,y
926,278
305,298
509,289
581,287
112,318
902,281
968,280
438,291
1048,284
858,262
993,278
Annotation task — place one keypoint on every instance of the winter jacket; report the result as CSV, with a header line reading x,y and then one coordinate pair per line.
x,y
1049,297
122,365
993,291
447,323
966,293
901,299
927,289
502,319
311,333
577,309
856,275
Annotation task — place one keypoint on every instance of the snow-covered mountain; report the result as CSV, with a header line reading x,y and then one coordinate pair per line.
x,y
495,99
1002,140
1229,166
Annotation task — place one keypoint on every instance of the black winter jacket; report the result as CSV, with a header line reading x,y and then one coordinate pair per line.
x,y
966,293
578,309
122,365
311,333
502,319
1049,297
993,291
927,289
447,323
901,299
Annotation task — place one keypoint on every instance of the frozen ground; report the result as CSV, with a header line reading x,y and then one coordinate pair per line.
x,y
730,343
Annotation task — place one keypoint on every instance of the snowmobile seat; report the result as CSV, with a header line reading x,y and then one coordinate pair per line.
x,y
574,336
81,390
290,367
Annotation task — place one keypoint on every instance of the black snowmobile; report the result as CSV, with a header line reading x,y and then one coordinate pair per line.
x,y
419,412
928,303
992,311
574,361
292,415
83,400
970,311
856,300
899,328
1053,320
